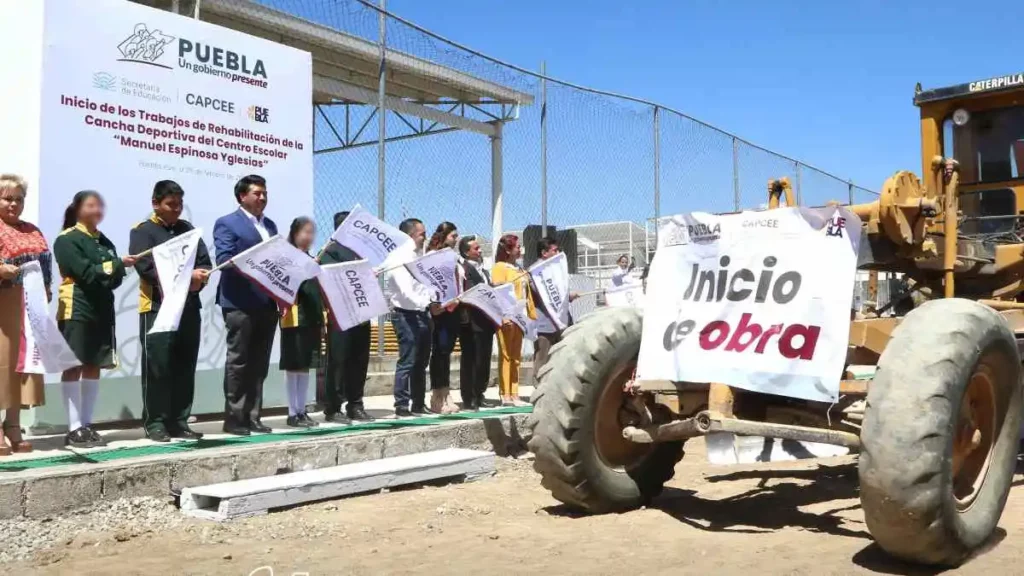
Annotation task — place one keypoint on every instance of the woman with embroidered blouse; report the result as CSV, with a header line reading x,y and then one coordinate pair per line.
x,y
20,243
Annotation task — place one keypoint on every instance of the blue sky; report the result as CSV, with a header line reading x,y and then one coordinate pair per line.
x,y
829,83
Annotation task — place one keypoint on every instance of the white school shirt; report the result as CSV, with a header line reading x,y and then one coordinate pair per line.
x,y
261,229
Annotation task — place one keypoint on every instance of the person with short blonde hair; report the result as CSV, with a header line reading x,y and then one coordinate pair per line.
x,y
20,242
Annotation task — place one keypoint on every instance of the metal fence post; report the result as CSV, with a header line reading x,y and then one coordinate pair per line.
x,y
543,150
382,131
657,175
736,174
799,196
850,190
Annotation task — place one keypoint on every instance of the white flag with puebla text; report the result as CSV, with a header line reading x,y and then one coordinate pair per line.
x,y
437,270
550,279
43,349
352,292
174,261
370,237
625,296
277,267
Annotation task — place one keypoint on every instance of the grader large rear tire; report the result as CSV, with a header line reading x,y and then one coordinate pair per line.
x,y
939,441
576,435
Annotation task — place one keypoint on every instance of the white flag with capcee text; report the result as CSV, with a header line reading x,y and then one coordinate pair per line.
x,y
277,267
488,300
174,261
352,292
370,237
43,349
625,296
550,280
437,270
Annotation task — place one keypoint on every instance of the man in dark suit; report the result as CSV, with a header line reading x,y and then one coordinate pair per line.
x,y
476,331
250,316
348,352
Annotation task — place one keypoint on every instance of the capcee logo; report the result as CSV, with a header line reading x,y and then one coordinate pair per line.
x,y
104,81
144,46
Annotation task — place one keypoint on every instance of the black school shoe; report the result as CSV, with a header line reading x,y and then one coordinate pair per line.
x,y
359,415
402,412
79,438
97,440
301,421
158,435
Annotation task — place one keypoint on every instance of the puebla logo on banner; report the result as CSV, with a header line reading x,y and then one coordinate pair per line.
x,y
756,300
150,46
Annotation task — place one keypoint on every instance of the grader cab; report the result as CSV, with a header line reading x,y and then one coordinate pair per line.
x,y
936,427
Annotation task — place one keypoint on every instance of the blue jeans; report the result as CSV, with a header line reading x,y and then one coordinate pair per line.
x,y
413,329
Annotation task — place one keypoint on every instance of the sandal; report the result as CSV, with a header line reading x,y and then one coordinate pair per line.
x,y
21,447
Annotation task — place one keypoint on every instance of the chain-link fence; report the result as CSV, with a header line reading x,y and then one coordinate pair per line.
x,y
495,147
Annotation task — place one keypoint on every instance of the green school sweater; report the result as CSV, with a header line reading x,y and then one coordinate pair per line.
x,y
91,271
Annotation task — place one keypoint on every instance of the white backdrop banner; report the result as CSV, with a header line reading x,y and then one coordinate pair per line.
x,y
132,95
756,300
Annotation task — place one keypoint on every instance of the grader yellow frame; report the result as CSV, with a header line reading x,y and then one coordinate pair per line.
x,y
936,429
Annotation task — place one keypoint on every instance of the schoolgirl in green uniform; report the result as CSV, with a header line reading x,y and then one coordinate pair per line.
x,y
301,328
91,271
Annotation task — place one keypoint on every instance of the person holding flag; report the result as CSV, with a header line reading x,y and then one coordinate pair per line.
x,y
169,353
301,329
410,301
91,271
476,330
348,351
250,315
547,333
446,323
20,243
510,337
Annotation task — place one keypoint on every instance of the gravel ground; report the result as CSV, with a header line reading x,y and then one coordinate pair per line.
x,y
117,521
785,518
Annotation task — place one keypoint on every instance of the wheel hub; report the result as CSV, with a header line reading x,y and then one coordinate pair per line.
x,y
975,434
614,412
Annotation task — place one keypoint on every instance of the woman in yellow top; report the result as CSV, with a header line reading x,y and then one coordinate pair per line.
x,y
510,337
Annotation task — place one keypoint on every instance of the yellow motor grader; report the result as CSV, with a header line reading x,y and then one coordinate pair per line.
x,y
936,429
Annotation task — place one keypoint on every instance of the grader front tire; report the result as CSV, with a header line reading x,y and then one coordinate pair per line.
x,y
576,436
940,435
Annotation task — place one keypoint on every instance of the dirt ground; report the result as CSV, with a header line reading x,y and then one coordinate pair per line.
x,y
789,518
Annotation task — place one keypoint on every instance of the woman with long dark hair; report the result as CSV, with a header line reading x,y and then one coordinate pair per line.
x,y
300,332
91,270
510,336
446,330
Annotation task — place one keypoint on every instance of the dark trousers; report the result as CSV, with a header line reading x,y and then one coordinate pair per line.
x,y
413,330
476,343
348,359
250,336
169,371
446,330
542,349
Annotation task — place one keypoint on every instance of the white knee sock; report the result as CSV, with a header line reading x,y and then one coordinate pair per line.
x,y
72,404
301,389
289,387
90,389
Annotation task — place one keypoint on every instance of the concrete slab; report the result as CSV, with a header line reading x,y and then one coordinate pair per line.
x,y
245,498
